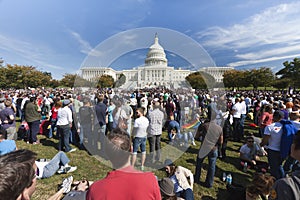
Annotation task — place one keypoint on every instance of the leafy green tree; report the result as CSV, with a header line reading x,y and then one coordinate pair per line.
x,y
201,80
120,81
105,81
291,71
281,83
68,80
261,77
231,78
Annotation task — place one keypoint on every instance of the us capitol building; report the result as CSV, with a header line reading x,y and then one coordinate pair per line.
x,y
155,72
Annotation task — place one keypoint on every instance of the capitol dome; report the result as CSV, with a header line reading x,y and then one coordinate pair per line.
x,y
156,55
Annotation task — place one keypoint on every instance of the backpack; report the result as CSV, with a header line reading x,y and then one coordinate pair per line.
x,y
288,132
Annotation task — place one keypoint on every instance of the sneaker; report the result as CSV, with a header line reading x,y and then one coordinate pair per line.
x,y
142,168
69,169
66,184
72,150
193,143
61,170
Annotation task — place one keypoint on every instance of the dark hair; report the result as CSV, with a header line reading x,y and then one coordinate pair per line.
x,y
260,185
16,173
118,148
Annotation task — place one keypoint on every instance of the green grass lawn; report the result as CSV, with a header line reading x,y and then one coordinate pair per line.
x,y
92,169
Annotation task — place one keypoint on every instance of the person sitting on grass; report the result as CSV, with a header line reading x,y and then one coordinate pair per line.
x,y
58,164
182,178
18,177
6,146
249,153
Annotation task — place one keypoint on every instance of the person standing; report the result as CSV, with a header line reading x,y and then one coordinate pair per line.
x,y
100,123
139,136
8,119
272,139
32,117
86,116
64,124
213,136
124,182
288,188
156,117
236,113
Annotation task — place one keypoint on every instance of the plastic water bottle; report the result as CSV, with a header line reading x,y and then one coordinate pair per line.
x,y
224,177
228,179
245,167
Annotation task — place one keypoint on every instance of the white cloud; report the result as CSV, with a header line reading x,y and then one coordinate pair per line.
x,y
269,59
85,47
34,53
275,31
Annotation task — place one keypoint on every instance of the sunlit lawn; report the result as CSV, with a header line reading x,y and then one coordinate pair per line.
x,y
92,169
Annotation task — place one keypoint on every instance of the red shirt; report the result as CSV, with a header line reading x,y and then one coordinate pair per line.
x,y
54,113
124,184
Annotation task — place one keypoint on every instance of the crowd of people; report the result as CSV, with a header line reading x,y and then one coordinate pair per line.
x,y
122,122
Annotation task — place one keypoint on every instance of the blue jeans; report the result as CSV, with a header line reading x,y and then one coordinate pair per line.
x,y
34,128
64,137
242,122
185,137
275,162
139,142
212,159
60,159
186,194
102,138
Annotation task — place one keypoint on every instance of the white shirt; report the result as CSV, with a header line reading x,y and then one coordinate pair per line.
x,y
141,124
243,108
274,130
64,116
40,166
237,110
246,151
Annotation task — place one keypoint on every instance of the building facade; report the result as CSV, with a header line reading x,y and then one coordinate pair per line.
x,y
155,72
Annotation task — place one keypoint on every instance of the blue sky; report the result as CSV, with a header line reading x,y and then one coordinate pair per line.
x,y
56,36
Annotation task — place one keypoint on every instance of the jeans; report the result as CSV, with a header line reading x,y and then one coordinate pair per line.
x,y
102,138
139,142
154,144
51,168
85,132
34,128
185,137
237,129
275,162
212,159
64,137
186,194
242,121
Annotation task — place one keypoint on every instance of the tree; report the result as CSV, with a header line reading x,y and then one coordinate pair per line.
x,y
120,81
68,80
261,77
105,81
291,71
231,78
201,80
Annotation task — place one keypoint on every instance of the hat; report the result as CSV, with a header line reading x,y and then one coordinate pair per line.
x,y
66,102
169,162
166,187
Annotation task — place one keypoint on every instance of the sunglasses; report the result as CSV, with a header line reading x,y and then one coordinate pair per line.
x,y
250,141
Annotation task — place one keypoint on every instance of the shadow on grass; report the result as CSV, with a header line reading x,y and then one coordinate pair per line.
x,y
48,142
